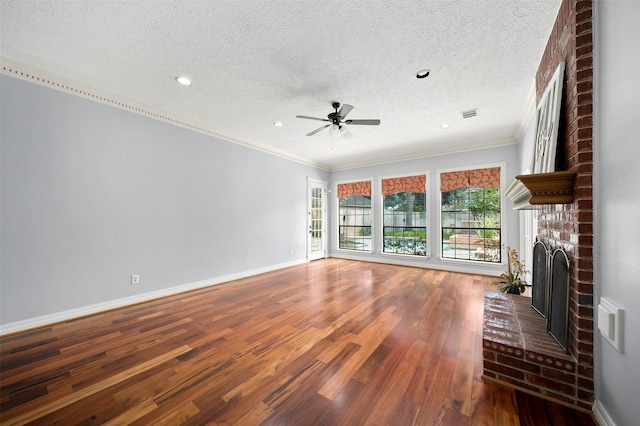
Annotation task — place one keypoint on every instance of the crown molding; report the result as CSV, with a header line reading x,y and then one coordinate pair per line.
x,y
433,153
529,109
43,78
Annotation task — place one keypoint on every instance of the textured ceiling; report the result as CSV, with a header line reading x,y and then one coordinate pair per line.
x,y
256,62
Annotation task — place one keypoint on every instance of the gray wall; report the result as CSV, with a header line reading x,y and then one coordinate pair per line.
x,y
91,194
617,195
508,154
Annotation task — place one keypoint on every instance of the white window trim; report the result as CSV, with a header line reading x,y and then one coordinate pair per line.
x,y
503,217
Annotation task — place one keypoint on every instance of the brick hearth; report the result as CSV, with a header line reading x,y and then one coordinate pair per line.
x,y
518,351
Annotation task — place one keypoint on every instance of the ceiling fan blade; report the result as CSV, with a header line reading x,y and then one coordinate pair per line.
x,y
318,130
344,110
372,122
311,118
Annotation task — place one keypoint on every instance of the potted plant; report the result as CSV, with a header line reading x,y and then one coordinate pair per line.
x,y
511,281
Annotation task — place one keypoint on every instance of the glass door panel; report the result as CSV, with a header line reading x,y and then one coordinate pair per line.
x,y
316,220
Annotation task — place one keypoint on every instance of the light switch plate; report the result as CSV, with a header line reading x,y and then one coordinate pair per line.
x,y
606,322
611,323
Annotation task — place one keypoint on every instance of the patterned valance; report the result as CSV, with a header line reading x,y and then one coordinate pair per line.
x,y
354,188
404,184
478,178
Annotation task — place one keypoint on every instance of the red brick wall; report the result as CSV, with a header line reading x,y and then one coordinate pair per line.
x,y
570,226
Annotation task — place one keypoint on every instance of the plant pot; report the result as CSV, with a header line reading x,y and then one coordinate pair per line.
x,y
513,290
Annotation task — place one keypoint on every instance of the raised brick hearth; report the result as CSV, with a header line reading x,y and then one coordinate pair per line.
x,y
518,351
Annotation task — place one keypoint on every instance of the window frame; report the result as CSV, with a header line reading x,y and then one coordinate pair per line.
x,y
503,216
380,231
372,216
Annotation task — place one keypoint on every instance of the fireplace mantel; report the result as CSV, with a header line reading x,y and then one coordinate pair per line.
x,y
530,190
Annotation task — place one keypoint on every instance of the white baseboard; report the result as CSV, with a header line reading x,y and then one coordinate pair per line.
x,y
45,320
601,415
488,270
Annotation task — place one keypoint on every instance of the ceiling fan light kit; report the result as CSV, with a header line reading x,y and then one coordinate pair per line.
x,y
335,130
337,121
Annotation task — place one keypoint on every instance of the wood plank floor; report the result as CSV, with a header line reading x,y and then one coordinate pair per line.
x,y
332,342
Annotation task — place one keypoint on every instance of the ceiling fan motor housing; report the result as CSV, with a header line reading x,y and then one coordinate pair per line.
x,y
334,117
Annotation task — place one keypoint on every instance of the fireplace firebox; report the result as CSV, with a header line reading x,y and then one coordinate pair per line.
x,y
550,289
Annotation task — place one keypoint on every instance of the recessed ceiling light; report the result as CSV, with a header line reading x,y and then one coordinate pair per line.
x,y
423,73
445,125
184,81
278,123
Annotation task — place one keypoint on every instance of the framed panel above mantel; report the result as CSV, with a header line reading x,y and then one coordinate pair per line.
x,y
547,124
544,185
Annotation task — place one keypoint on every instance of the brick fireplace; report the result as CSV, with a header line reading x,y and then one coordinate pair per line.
x,y
567,377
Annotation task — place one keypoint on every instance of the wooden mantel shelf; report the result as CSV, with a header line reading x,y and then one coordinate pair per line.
x,y
549,188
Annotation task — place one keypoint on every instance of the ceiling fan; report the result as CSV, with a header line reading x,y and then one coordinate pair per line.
x,y
337,120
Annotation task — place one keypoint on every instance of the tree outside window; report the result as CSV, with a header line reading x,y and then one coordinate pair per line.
x,y
404,217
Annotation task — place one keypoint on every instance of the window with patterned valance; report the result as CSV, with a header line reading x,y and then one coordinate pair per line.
x,y
470,214
354,228
404,212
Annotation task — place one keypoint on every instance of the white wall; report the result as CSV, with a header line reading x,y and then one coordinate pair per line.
x,y
617,198
527,140
491,156
91,194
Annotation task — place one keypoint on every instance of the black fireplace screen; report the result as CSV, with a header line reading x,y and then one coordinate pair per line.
x,y
557,322
550,289
540,276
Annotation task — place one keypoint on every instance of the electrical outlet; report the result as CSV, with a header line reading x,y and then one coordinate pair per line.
x,y
135,279
290,252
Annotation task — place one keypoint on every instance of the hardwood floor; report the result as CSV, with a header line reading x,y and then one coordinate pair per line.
x,y
332,342
534,411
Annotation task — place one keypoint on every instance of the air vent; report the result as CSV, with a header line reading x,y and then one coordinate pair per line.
x,y
470,113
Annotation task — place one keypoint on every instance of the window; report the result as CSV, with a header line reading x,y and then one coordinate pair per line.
x,y
470,214
354,201
404,217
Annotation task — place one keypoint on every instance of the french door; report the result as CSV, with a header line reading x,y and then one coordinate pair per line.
x,y
316,219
